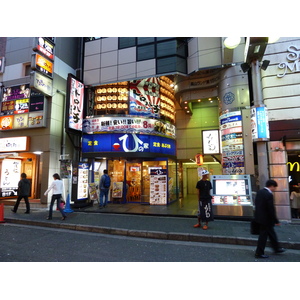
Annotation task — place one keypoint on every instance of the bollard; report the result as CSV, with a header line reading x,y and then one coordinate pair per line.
x,y
1,213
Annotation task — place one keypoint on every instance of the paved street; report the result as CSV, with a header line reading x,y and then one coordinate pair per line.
x,y
37,244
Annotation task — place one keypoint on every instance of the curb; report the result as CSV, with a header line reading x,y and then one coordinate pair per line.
x,y
173,236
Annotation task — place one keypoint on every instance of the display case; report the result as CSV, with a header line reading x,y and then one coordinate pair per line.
x,y
232,195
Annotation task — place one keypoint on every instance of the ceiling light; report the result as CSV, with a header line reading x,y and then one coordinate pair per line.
x,y
232,42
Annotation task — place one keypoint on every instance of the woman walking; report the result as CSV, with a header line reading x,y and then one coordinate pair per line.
x,y
57,186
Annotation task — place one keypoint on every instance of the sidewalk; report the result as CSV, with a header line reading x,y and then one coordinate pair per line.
x,y
106,221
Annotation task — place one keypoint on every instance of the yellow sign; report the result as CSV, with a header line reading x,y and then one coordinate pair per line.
x,y
292,165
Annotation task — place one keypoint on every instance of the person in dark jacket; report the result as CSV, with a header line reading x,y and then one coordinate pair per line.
x,y
265,216
23,192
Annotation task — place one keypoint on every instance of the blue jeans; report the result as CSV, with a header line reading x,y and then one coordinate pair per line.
x,y
104,193
56,197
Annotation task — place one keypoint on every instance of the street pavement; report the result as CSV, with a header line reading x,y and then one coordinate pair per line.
x,y
166,227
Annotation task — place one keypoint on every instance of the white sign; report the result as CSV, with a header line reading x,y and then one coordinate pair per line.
x,y
292,62
12,144
211,141
41,83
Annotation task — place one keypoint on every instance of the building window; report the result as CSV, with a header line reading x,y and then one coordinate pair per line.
x,y
145,40
126,42
170,65
145,52
27,69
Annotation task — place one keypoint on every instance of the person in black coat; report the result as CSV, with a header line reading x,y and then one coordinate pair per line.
x,y
265,216
23,192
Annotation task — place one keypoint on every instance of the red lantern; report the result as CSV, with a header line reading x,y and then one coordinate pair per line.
x,y
199,159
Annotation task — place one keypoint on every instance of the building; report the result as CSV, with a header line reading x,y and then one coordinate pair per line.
x,y
153,104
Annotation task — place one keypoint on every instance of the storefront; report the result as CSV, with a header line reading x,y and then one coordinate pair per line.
x,y
14,160
147,174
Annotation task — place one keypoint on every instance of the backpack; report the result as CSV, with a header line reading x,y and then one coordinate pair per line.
x,y
106,182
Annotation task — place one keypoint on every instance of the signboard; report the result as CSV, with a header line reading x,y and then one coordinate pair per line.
x,y
260,124
158,187
82,185
42,64
16,92
115,142
144,97
210,142
75,99
14,144
21,108
128,124
45,47
41,83
233,159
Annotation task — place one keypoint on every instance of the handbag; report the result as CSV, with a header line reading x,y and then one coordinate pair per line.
x,y
254,227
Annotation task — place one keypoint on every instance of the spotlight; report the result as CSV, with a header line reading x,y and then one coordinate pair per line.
x,y
265,65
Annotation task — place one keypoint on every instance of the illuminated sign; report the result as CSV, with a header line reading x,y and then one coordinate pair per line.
x,y
128,124
42,64
210,142
45,47
293,165
16,92
12,144
41,83
75,98
128,143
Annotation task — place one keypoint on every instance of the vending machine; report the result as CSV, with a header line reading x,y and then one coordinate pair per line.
x,y
233,195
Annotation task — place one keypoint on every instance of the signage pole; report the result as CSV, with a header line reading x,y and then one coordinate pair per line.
x,y
261,146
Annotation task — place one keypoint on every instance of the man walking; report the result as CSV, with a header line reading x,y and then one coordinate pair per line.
x,y
265,216
23,192
104,188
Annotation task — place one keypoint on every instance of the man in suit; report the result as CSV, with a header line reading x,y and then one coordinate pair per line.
x,y
265,216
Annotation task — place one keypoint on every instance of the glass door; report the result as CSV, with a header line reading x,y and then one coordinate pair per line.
x,y
133,182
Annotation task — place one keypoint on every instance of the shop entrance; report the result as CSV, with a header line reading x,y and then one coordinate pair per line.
x,y
132,182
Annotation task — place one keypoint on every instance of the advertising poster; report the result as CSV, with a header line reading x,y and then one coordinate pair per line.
x,y
16,92
158,187
259,123
82,184
93,191
117,190
6,122
21,121
128,125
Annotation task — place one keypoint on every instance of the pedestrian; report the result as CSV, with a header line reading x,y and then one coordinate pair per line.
x,y
295,202
265,216
23,192
204,200
57,186
104,188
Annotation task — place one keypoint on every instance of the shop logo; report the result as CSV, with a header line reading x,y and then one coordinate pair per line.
x,y
292,63
292,165
228,98
137,142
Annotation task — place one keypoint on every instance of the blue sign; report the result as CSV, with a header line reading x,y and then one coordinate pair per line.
x,y
116,142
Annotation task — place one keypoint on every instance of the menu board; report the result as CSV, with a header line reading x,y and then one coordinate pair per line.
x,y
82,185
158,186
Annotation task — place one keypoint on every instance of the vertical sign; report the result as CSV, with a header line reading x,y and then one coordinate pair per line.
x,y
158,186
210,142
75,98
260,124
